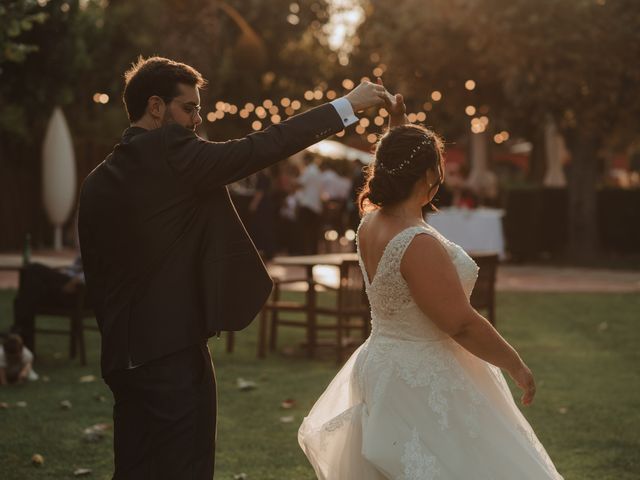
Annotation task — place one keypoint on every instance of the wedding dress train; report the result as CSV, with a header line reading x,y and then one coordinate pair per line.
x,y
412,404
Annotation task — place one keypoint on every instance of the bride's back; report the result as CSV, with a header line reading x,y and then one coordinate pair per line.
x,y
374,234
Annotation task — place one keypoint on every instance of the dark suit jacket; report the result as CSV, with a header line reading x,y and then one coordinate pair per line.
x,y
167,261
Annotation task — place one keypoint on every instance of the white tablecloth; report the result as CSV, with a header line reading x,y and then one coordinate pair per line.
x,y
477,230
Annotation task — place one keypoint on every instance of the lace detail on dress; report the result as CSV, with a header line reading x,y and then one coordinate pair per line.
x,y
417,462
428,365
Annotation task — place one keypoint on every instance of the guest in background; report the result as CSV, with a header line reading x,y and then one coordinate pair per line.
x,y
262,215
16,361
284,177
357,182
309,205
334,186
40,285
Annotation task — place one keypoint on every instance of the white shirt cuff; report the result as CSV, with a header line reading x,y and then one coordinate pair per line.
x,y
345,110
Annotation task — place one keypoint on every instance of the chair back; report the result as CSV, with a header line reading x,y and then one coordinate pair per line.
x,y
351,294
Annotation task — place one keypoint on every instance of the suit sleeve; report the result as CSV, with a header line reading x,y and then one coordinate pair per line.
x,y
208,165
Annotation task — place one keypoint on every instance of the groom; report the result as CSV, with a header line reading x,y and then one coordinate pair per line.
x,y
169,264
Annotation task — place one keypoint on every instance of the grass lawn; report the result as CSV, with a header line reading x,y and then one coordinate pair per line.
x,y
583,349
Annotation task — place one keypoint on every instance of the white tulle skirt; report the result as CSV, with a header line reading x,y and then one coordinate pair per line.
x,y
410,410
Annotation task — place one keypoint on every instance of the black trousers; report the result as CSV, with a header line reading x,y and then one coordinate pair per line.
x,y
39,286
165,418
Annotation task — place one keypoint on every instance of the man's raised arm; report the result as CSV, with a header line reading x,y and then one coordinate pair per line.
x,y
207,165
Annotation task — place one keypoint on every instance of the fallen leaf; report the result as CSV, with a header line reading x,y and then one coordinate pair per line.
x,y
95,433
563,410
287,419
240,476
21,404
65,405
81,471
4,405
603,326
87,379
245,385
288,403
37,459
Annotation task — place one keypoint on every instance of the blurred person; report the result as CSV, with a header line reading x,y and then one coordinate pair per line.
x,y
16,361
309,199
262,215
168,263
424,396
42,286
334,186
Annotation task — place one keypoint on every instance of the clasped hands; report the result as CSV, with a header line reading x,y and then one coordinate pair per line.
x,y
369,94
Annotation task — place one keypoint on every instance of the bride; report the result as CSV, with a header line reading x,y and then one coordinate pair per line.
x,y
424,397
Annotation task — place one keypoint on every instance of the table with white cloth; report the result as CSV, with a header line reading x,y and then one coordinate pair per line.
x,y
475,230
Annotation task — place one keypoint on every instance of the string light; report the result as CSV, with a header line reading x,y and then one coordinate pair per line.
x,y
421,116
308,95
436,96
470,110
285,102
348,84
470,85
256,125
267,103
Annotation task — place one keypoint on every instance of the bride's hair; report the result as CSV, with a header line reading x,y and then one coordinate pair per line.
x,y
402,157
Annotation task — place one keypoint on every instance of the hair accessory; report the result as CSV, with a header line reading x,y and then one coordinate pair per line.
x,y
401,166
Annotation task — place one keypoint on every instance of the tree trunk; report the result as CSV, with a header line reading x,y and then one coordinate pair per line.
x,y
537,158
582,232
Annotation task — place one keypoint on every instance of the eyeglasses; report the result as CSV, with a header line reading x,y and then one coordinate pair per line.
x,y
190,109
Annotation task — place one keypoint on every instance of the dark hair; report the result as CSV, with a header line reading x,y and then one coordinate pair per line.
x,y
13,346
155,76
403,156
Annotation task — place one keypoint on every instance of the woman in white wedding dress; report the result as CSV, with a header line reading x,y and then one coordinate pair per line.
x,y
424,397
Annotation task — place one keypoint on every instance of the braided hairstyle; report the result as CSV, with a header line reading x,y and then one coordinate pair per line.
x,y
403,156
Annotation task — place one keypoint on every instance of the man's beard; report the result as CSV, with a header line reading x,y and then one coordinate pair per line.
x,y
168,120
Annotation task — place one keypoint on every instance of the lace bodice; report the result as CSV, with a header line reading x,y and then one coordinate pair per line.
x,y
393,311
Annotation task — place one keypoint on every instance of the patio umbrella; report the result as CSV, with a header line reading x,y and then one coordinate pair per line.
x,y
338,151
58,174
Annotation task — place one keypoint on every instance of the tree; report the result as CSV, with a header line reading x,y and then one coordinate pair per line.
x,y
575,61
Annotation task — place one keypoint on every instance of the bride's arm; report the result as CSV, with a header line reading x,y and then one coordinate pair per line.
x,y
436,289
394,104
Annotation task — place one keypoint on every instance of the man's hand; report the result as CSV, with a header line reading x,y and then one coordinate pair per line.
x,y
366,95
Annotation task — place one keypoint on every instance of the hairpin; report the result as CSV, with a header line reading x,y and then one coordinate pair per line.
x,y
406,162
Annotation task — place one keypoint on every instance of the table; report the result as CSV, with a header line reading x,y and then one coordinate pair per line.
x,y
308,262
478,230
13,262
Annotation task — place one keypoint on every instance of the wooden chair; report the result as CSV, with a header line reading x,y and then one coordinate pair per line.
x,y
484,292
350,311
76,315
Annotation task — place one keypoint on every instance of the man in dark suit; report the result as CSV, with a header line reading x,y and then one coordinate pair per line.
x,y
169,264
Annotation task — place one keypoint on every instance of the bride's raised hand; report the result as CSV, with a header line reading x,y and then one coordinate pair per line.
x,y
525,381
394,104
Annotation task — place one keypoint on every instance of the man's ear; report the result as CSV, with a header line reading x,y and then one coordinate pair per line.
x,y
155,106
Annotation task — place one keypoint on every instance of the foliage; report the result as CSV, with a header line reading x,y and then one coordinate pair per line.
x,y
574,61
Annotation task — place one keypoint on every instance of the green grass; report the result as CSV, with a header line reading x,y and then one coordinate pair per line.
x,y
591,372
